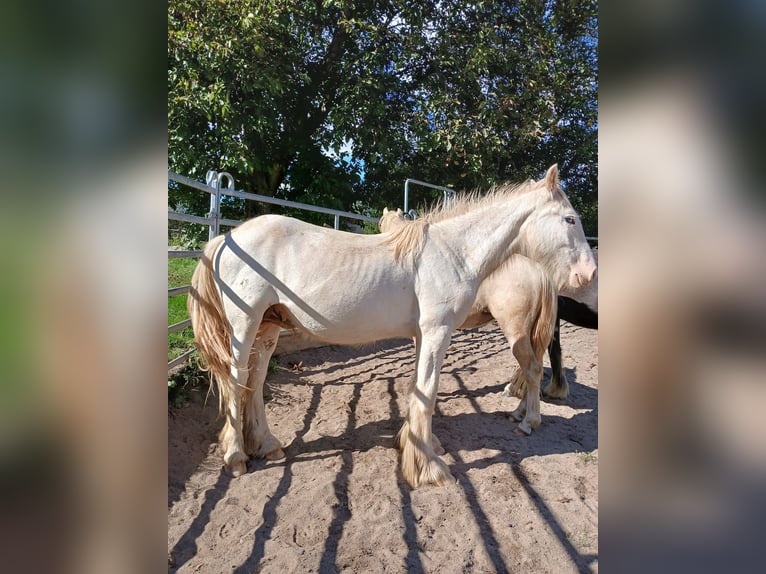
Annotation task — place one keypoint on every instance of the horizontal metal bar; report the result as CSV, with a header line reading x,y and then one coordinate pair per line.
x,y
230,222
265,199
180,359
180,326
189,218
286,203
183,254
191,182
173,291
425,183
447,191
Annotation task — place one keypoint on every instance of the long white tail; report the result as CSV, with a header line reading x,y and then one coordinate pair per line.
x,y
211,329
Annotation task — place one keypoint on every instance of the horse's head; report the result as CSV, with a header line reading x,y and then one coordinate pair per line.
x,y
390,220
553,235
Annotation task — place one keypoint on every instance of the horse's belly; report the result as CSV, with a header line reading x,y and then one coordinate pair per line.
x,y
476,319
355,333
347,324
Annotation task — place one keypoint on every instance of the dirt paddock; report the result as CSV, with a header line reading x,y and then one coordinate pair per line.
x,y
337,502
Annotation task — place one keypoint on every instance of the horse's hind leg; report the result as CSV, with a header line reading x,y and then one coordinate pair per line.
x,y
231,438
528,411
258,438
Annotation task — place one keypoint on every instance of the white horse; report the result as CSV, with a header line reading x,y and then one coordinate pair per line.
x,y
419,281
521,297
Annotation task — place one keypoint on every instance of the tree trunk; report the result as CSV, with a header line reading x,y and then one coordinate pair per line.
x,y
264,183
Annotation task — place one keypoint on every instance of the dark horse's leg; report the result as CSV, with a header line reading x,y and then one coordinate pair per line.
x,y
578,314
554,352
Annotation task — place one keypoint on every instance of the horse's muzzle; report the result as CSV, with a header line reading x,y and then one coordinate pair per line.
x,y
583,273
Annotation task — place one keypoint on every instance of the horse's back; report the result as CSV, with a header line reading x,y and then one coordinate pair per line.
x,y
282,244
340,286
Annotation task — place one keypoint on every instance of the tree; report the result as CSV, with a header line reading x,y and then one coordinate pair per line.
x,y
457,93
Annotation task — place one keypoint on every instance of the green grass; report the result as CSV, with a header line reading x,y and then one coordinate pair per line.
x,y
183,382
587,457
179,274
180,271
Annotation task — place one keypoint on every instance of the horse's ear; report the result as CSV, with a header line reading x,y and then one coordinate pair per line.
x,y
398,210
385,210
552,178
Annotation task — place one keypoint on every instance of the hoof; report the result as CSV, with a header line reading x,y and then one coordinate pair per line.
x,y
556,389
436,473
520,432
525,427
238,469
275,454
419,468
271,448
252,447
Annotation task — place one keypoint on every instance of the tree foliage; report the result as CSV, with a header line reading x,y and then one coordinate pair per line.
x,y
337,102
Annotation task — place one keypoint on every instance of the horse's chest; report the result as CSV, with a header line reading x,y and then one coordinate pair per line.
x,y
453,297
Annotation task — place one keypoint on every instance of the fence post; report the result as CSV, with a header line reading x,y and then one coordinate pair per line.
x,y
337,221
218,188
212,180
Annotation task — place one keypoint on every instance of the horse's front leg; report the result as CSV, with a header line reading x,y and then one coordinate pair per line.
x,y
558,388
259,441
420,464
401,436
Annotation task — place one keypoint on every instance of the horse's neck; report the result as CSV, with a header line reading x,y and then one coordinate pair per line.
x,y
489,235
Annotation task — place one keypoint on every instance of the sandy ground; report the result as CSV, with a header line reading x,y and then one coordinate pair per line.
x,y
337,502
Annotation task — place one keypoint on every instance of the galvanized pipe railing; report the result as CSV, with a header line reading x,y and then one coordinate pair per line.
x,y
447,191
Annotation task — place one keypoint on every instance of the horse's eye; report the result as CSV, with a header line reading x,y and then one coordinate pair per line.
x,y
570,219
